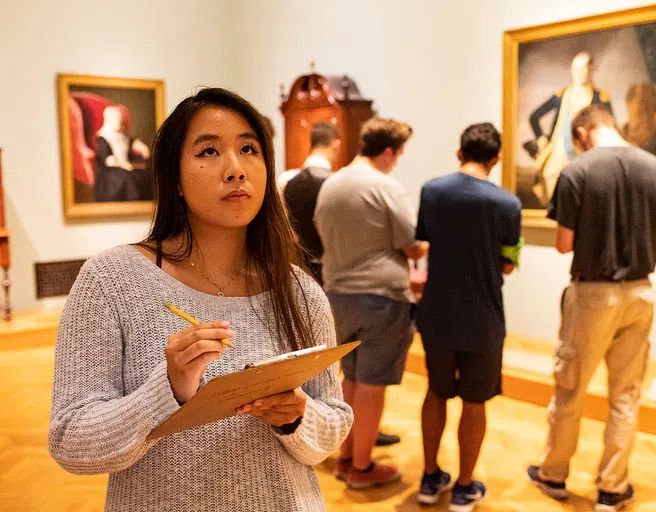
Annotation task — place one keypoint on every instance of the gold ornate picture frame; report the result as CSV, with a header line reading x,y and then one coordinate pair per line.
x,y
106,128
545,84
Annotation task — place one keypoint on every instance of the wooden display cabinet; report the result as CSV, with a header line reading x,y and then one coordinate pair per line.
x,y
314,98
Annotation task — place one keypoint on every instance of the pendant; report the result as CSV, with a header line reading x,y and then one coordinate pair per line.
x,y
221,294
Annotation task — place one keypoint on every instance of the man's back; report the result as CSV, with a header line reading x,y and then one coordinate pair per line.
x,y
607,197
605,207
300,196
365,220
467,221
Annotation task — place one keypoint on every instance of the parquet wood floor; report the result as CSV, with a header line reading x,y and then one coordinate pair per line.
x,y
30,481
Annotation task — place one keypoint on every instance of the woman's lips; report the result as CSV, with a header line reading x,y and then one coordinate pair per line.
x,y
237,196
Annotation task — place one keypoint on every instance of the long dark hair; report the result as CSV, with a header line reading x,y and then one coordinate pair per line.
x,y
271,246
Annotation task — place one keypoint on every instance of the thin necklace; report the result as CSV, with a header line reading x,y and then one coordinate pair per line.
x,y
220,292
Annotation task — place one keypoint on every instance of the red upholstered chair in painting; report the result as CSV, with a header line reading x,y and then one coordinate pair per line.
x,y
92,107
82,154
86,118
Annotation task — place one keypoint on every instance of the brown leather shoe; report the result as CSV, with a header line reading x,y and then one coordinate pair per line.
x,y
342,469
378,474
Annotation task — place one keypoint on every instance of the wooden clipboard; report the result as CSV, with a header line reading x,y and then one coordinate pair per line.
x,y
220,397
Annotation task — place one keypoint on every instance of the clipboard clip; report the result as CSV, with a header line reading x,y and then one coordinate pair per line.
x,y
286,357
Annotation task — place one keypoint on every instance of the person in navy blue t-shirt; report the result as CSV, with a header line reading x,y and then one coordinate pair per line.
x,y
468,222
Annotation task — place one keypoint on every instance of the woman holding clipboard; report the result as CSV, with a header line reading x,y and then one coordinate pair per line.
x,y
221,250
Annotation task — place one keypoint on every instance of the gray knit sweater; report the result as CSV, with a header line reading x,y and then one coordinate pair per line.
x,y
111,389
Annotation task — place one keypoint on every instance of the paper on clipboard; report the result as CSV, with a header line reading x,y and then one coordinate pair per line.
x,y
220,397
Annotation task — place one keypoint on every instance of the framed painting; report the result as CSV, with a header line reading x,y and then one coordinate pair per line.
x,y
106,128
553,71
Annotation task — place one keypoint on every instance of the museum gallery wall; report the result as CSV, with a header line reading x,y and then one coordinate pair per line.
x,y
416,73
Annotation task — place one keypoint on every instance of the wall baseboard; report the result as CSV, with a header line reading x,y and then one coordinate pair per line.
x,y
30,330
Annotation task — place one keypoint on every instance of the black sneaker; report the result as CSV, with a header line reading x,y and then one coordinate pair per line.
x,y
464,499
387,439
433,485
612,502
555,490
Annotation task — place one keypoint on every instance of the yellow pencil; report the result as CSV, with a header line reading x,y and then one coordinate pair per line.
x,y
192,320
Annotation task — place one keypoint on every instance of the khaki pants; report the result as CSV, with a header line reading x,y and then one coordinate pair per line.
x,y
600,321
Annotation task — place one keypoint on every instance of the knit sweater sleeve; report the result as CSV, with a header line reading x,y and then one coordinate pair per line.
x,y
327,419
94,426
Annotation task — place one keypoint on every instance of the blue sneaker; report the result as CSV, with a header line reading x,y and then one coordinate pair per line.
x,y
612,502
433,485
464,499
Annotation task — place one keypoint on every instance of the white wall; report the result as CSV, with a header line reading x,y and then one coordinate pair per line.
x,y
436,65
184,43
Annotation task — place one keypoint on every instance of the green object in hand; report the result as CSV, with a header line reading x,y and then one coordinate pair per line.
x,y
513,252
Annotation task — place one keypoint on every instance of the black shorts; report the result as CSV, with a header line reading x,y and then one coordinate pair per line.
x,y
475,378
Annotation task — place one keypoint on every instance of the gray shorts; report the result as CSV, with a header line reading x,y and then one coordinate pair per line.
x,y
384,326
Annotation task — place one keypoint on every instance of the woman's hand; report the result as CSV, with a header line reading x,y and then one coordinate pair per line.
x,y
189,352
278,410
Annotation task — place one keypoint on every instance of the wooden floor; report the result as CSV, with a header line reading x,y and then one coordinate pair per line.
x,y
31,482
